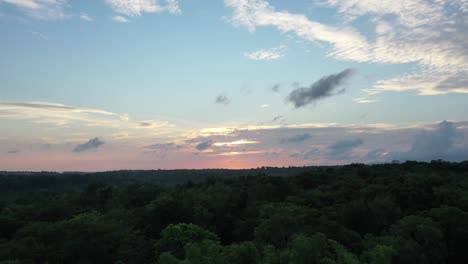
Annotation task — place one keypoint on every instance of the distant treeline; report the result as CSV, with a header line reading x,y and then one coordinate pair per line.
x,y
11,183
411,212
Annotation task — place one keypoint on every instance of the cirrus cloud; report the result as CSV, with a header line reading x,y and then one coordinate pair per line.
x,y
138,7
41,9
266,54
430,34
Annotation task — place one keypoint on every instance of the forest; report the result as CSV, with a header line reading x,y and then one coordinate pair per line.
x,y
411,212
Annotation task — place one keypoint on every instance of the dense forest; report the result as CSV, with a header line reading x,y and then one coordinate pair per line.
x,y
411,213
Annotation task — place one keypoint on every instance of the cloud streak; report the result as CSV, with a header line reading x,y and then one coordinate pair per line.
x,y
86,17
325,87
59,114
120,19
40,9
94,143
297,138
266,54
133,8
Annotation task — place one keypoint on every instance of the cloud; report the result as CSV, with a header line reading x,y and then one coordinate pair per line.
x,y
153,124
41,9
245,145
66,116
276,118
433,35
162,149
138,7
297,138
376,154
86,17
439,143
164,146
307,155
266,54
90,145
275,88
342,150
364,100
120,19
13,151
39,35
204,145
222,99
59,114
235,143
323,88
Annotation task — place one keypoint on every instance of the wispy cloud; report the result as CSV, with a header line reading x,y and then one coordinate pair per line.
x,y
235,143
59,114
86,17
431,34
120,19
153,124
325,87
41,9
266,54
138,7
365,100
66,116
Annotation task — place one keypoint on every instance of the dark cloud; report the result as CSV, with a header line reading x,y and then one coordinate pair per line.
x,y
276,118
91,144
162,149
275,88
13,151
307,155
272,155
146,124
325,87
164,146
376,154
436,144
297,138
222,99
343,149
204,145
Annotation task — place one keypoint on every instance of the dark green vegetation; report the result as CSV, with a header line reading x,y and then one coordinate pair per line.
x,y
394,213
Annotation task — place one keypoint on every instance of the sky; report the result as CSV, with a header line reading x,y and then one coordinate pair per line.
x,y
95,85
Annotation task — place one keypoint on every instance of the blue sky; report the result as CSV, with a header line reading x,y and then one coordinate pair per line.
x,y
143,78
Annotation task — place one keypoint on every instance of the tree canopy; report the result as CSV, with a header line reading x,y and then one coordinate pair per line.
x,y
377,214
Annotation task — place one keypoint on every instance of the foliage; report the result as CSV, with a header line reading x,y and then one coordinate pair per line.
x,y
377,214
